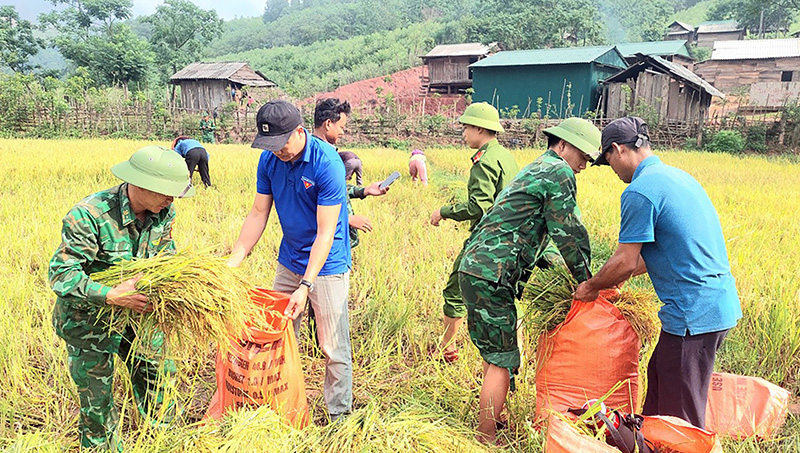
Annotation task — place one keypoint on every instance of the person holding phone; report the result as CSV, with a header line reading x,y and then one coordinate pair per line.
x,y
330,118
493,167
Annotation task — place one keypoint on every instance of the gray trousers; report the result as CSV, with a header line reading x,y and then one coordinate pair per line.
x,y
329,301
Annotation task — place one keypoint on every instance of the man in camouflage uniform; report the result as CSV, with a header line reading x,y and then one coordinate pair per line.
x,y
132,220
537,206
207,128
493,167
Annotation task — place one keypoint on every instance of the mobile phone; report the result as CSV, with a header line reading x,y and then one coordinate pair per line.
x,y
388,181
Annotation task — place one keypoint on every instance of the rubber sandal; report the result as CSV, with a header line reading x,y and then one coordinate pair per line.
x,y
450,356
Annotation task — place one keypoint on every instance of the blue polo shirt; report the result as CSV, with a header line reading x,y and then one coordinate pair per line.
x,y
188,144
669,213
315,179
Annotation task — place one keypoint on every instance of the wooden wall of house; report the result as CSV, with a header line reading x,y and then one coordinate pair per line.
x,y
671,99
202,95
448,70
707,39
728,75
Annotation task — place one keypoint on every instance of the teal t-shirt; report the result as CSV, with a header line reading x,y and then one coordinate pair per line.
x,y
669,213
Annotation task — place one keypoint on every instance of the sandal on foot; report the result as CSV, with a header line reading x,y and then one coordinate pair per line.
x,y
450,356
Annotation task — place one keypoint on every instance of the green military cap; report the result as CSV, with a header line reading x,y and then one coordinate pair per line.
x,y
579,133
157,169
481,114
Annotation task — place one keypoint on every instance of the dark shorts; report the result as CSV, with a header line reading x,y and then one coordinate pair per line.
x,y
491,320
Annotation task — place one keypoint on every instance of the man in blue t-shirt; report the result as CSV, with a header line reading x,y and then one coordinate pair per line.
x,y
195,155
670,230
304,177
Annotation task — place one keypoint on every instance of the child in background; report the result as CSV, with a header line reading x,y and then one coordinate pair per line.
x,y
417,168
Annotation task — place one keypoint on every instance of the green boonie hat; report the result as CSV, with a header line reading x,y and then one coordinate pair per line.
x,y
157,169
483,115
579,133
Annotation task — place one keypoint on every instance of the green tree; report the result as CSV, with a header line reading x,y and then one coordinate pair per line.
x,y
91,34
758,16
180,32
532,24
17,43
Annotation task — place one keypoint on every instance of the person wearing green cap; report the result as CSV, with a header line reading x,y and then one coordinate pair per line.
x,y
131,220
207,128
538,206
493,167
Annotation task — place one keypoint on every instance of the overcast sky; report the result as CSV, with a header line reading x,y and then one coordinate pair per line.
x,y
30,9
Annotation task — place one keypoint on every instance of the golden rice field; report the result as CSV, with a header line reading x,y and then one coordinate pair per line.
x,y
405,400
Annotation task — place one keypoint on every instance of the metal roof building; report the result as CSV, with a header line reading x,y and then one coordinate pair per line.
x,y
671,90
756,49
720,30
671,50
768,68
551,82
208,85
448,65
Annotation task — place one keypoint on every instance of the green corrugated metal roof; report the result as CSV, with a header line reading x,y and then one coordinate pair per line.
x,y
566,55
660,48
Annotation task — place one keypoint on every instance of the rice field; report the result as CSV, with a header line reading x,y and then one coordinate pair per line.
x,y
404,399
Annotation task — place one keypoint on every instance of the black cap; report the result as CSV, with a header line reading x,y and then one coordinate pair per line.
x,y
276,120
630,130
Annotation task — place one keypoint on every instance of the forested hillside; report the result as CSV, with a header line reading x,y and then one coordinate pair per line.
x,y
317,45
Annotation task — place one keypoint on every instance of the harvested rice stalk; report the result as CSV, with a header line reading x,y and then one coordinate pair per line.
x,y
195,296
549,299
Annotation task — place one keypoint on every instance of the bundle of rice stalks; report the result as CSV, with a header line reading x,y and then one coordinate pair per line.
x,y
194,296
549,297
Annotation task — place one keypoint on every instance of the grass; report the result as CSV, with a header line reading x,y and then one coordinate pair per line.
x,y
404,399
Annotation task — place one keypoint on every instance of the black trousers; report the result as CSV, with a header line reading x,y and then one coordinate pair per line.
x,y
198,158
679,374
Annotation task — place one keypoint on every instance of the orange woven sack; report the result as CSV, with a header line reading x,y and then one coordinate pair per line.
x,y
665,432
743,406
563,438
263,367
679,435
584,357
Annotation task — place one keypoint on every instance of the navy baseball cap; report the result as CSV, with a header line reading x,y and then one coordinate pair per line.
x,y
275,121
630,130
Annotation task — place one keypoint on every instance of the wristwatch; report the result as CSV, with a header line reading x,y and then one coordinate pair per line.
x,y
307,283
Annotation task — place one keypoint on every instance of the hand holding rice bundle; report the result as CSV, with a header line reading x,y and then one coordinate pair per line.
x,y
194,296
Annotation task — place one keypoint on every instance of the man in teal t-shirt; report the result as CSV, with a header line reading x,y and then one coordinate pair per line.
x,y
670,230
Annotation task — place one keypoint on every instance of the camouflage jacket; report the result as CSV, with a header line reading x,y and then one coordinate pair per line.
x,y
493,167
538,205
96,233
353,192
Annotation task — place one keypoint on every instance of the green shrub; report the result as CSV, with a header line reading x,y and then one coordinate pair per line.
x,y
757,138
727,141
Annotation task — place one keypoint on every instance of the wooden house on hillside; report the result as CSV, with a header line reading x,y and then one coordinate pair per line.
x,y
769,68
680,31
720,30
205,86
448,65
670,89
670,50
557,83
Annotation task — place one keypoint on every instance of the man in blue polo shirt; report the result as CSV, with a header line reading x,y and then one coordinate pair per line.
x,y
304,177
670,230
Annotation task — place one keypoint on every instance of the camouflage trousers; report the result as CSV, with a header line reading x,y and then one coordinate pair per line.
x,y
453,302
92,370
491,320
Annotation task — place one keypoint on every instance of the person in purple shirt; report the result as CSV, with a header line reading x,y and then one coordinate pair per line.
x,y
303,177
